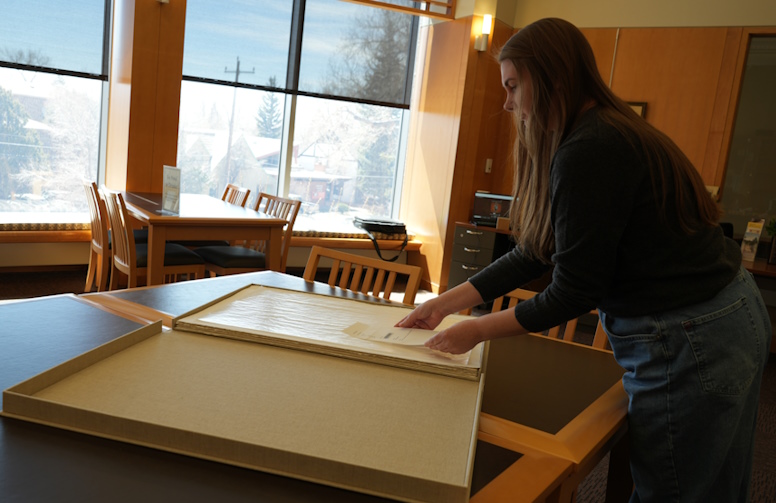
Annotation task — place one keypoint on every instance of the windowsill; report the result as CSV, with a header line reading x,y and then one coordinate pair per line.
x,y
31,227
69,227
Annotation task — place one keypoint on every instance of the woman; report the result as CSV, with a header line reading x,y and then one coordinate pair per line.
x,y
624,219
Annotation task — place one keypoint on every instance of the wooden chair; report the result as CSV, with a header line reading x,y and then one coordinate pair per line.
x,y
236,195
567,332
130,259
100,253
366,275
600,339
250,256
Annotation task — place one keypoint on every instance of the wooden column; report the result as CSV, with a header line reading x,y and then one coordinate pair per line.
x,y
457,123
145,80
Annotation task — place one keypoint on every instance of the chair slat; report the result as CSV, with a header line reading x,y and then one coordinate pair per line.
x,y
375,268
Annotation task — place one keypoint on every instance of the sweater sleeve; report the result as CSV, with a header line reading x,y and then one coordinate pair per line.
x,y
508,272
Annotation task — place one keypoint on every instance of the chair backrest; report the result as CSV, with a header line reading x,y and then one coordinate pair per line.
x,y
600,339
567,332
124,254
513,298
99,217
366,275
234,194
280,207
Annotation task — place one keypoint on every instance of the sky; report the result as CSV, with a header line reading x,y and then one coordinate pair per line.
x,y
69,33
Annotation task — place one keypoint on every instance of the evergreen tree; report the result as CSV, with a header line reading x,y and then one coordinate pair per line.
x,y
269,117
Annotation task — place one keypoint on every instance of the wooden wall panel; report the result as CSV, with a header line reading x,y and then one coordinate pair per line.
x,y
493,137
119,94
147,59
481,128
433,141
676,71
168,95
602,41
142,115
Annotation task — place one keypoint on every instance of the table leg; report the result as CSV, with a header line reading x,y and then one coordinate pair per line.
x,y
274,251
157,237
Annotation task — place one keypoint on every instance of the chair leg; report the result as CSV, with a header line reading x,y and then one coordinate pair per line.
x,y
102,274
90,272
114,278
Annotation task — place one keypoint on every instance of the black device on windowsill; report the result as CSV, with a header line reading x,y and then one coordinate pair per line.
x,y
489,207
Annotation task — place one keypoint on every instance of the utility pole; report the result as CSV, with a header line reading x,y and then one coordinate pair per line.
x,y
236,73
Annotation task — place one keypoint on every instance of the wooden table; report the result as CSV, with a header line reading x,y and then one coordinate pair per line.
x,y
41,463
201,217
544,398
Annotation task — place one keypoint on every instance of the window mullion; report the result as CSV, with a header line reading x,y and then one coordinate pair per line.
x,y
287,145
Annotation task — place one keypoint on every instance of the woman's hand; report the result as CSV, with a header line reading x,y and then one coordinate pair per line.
x,y
466,334
431,313
426,316
459,338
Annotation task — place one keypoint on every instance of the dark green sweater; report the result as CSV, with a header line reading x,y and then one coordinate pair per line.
x,y
613,250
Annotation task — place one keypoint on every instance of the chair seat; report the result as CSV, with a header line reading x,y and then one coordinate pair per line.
x,y
173,255
141,236
232,257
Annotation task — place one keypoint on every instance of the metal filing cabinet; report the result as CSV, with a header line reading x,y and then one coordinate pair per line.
x,y
473,249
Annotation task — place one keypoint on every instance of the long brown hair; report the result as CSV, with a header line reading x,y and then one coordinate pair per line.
x,y
560,64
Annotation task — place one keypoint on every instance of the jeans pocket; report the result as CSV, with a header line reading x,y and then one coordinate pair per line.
x,y
726,348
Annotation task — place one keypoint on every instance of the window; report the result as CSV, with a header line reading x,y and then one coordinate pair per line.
x,y
750,180
331,76
51,87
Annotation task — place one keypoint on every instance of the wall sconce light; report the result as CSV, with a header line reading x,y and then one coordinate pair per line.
x,y
481,41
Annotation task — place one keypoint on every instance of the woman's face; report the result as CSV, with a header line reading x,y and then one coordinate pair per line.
x,y
518,87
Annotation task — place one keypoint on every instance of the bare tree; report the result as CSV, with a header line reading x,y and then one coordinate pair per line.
x,y
22,57
372,61
18,146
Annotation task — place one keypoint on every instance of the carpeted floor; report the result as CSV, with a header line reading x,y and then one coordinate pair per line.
x,y
591,490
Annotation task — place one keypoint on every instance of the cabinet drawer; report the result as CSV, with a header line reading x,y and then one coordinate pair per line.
x,y
474,238
474,255
460,272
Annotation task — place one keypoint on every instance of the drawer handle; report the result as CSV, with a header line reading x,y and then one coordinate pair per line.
x,y
474,233
469,267
471,250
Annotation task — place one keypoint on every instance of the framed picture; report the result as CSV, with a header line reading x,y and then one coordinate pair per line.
x,y
640,107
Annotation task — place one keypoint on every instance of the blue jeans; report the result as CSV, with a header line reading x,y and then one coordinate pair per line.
x,y
693,377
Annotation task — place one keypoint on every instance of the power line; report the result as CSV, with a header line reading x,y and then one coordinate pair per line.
x,y
236,73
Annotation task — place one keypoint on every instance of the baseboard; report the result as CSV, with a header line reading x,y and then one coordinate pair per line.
x,y
44,268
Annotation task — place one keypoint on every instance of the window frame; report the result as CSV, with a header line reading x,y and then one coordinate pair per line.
x,y
292,92
103,76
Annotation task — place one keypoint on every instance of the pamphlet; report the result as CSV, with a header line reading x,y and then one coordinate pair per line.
x,y
751,239
171,189
393,335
